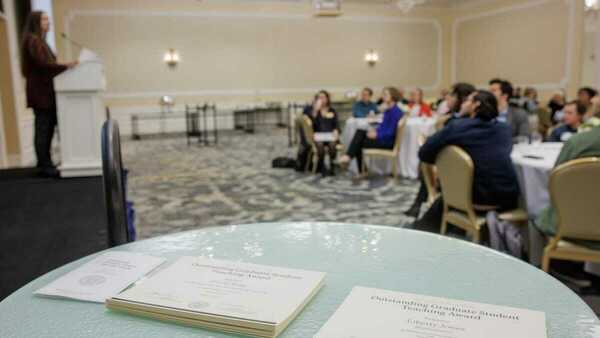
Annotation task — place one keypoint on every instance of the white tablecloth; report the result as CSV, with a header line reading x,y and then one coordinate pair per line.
x,y
408,162
534,173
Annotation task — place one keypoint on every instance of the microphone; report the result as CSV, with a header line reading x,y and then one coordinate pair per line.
x,y
64,36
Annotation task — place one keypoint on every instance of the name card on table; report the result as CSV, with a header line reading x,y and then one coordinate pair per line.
x,y
368,313
101,278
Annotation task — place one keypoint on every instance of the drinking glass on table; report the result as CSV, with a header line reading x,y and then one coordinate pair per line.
x,y
536,138
520,140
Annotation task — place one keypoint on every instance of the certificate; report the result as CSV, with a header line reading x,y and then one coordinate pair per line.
x,y
368,313
102,277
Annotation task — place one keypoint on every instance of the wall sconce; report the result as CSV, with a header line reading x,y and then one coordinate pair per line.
x,y
371,57
171,58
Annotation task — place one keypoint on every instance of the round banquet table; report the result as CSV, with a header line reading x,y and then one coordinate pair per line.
x,y
364,255
408,161
534,173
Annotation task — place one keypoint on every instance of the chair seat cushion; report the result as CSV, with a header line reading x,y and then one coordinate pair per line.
x,y
379,152
515,216
460,219
580,247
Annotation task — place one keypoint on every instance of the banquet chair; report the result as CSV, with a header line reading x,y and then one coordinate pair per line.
x,y
429,173
455,171
307,130
114,185
578,219
392,154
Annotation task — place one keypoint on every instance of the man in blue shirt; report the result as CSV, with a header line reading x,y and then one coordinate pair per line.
x,y
573,118
365,106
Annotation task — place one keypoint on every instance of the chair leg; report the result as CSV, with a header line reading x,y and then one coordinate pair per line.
x,y
308,159
546,261
315,162
395,168
476,236
444,227
364,169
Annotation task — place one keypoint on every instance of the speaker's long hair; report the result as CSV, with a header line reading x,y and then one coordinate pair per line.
x,y
33,26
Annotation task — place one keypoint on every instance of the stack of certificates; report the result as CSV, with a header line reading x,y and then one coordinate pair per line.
x,y
227,296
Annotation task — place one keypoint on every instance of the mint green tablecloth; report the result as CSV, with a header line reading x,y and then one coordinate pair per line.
x,y
372,256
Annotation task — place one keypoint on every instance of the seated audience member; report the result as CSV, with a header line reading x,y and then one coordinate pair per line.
x,y
585,96
443,93
416,106
573,118
530,102
383,137
516,99
443,108
583,144
454,100
488,142
460,92
556,105
325,120
364,106
516,117
594,120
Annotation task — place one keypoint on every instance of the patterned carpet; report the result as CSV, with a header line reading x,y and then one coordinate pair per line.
x,y
176,187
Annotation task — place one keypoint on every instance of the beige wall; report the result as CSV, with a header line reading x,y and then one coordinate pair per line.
x,y
241,51
538,43
247,52
588,77
3,155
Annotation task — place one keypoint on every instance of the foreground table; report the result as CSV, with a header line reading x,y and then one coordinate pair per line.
x,y
372,256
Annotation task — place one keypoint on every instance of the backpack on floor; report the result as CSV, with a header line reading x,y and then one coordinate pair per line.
x,y
505,236
284,163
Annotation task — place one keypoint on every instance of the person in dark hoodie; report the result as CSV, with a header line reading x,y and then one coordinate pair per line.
x,y
488,142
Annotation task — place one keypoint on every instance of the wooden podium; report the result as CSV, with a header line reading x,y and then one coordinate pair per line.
x,y
80,117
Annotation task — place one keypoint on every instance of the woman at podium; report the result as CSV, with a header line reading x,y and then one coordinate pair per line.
x,y
39,68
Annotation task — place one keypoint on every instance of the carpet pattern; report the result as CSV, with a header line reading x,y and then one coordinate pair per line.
x,y
176,187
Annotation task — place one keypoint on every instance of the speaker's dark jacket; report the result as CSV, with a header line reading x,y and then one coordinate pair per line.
x,y
40,68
